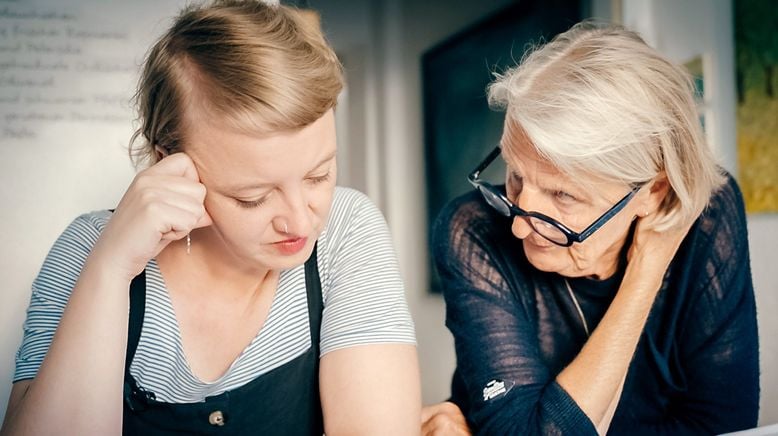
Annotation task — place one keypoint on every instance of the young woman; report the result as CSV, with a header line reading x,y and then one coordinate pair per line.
x,y
262,299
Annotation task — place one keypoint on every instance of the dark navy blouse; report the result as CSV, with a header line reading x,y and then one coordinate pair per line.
x,y
696,366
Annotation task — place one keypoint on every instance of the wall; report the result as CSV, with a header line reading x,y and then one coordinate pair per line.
x,y
67,72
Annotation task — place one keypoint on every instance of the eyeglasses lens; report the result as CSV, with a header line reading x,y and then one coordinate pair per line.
x,y
495,201
547,230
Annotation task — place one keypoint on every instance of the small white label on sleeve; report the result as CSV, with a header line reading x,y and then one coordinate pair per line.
x,y
496,388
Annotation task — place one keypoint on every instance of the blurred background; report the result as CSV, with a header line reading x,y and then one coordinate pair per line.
x,y
412,121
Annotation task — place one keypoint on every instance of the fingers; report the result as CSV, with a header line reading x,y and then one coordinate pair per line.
x,y
204,221
428,412
173,182
446,407
160,183
443,419
171,222
176,164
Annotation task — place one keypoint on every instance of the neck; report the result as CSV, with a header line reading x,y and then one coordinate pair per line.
x,y
210,266
606,269
600,267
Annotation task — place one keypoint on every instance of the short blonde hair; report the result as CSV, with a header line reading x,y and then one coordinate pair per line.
x,y
252,66
598,101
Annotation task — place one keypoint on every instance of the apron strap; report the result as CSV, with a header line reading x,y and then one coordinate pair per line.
x,y
132,392
137,312
315,304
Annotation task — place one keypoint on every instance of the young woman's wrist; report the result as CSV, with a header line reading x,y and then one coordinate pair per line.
x,y
101,268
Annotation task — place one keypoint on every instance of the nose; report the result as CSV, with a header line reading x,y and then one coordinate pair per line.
x,y
520,227
296,218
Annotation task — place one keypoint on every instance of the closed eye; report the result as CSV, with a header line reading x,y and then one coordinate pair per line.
x,y
252,203
564,197
319,179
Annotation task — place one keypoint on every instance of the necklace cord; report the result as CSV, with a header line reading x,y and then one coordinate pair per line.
x,y
577,307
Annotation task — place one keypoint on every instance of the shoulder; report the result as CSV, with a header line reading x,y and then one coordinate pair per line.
x,y
474,251
725,213
355,231
79,236
66,259
711,275
716,250
348,203
353,217
468,222
89,225
466,210
720,234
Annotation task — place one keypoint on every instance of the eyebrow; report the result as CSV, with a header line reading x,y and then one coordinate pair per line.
x,y
326,159
551,189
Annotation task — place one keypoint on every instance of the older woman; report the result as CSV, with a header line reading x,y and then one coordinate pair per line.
x,y
262,299
606,287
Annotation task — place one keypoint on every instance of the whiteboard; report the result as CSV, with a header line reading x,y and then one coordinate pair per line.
x,y
68,69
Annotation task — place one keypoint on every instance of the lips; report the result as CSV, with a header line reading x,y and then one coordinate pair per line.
x,y
291,246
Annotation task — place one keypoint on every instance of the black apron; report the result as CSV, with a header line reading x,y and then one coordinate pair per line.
x,y
284,401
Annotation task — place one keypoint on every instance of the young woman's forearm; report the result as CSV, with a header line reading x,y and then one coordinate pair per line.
x,y
78,389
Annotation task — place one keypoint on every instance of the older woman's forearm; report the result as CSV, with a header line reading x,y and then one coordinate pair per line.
x,y
605,422
78,389
595,377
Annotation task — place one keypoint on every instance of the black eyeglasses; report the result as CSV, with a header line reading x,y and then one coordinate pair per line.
x,y
545,226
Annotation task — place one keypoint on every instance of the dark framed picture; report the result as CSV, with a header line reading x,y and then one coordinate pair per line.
x,y
459,127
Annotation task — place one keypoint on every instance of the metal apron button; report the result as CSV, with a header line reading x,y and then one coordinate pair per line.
x,y
216,418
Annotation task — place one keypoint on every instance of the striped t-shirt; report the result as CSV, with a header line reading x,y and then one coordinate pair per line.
x,y
362,292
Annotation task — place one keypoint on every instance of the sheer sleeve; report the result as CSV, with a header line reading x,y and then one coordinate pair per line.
x,y
506,388
719,347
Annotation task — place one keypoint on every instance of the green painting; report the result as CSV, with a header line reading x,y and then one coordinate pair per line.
x,y
756,46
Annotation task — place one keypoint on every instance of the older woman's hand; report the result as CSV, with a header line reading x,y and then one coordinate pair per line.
x,y
652,251
443,419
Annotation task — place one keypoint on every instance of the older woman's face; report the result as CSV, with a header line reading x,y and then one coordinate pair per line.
x,y
269,196
534,184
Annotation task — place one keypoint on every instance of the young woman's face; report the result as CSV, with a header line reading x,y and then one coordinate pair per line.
x,y
534,184
269,196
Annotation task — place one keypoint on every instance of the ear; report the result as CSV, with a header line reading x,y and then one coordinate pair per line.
x,y
657,190
160,152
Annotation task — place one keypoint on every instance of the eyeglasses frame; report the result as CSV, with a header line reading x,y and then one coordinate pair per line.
x,y
572,236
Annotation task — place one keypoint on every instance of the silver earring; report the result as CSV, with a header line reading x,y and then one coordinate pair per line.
x,y
188,244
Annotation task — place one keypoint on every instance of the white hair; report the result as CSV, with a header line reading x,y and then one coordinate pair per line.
x,y
598,101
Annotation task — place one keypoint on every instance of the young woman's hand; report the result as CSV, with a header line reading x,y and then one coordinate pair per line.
x,y
163,204
443,419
